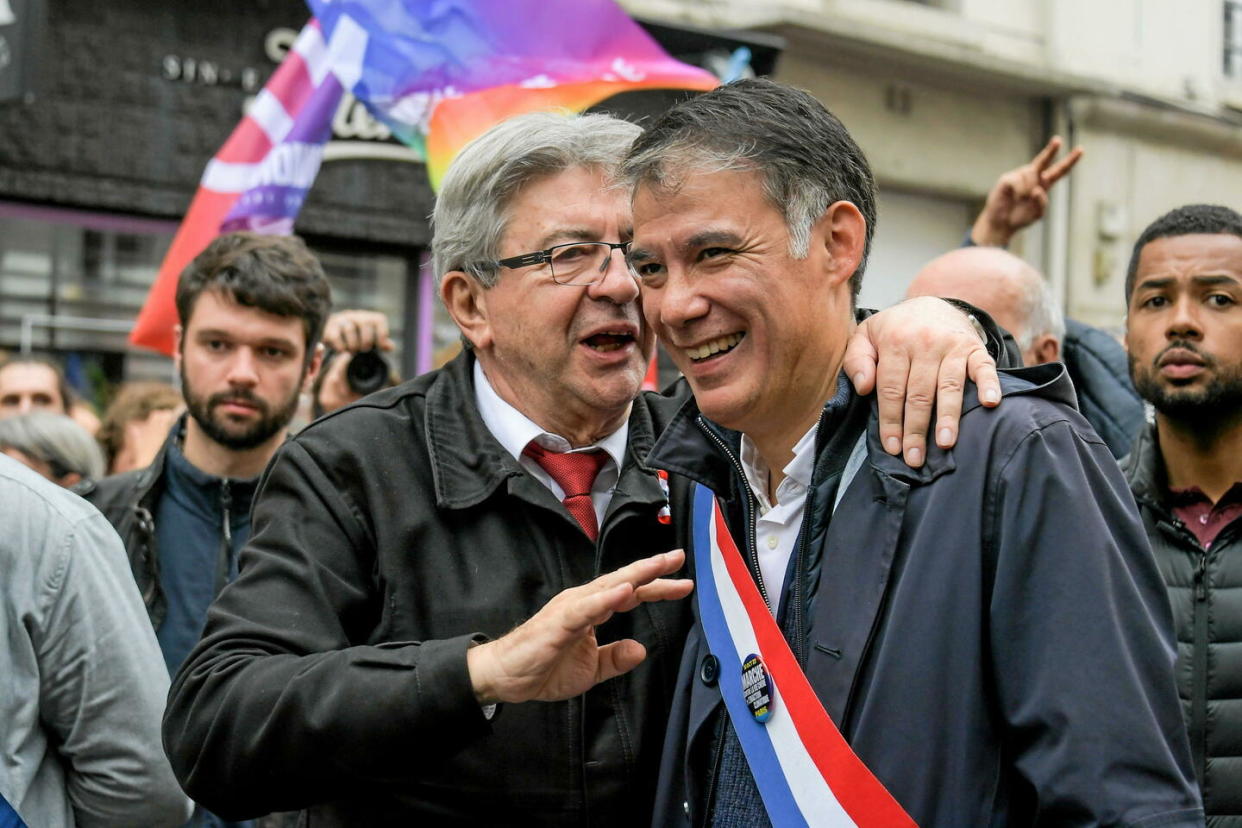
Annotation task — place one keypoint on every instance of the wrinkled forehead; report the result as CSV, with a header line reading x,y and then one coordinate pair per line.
x,y
576,204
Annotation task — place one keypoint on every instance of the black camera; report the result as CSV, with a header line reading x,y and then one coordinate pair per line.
x,y
367,372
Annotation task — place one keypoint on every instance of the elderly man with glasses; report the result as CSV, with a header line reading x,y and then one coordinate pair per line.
x,y
428,559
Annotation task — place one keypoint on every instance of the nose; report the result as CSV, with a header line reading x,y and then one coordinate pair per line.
x,y
615,284
26,405
676,303
243,370
1184,320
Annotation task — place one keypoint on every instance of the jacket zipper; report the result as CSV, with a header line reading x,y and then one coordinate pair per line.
x,y
146,525
705,813
1198,704
1197,725
753,555
747,508
224,564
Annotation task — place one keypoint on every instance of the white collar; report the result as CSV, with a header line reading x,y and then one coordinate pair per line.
x,y
514,430
798,470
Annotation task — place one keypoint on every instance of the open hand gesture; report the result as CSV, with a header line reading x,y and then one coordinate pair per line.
x,y
554,655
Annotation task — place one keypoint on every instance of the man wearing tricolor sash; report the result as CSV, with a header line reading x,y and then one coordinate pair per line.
x,y
981,640
441,573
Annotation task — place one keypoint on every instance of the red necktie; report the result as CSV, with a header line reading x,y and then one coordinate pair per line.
x,y
575,473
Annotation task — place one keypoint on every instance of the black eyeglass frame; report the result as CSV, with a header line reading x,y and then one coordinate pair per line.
x,y
545,256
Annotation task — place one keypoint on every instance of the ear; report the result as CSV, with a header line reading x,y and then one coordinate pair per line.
x,y
178,343
312,368
842,234
1046,348
466,301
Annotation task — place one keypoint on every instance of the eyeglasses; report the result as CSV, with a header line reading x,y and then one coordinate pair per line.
x,y
573,263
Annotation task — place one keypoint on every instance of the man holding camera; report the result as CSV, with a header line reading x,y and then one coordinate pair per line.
x,y
354,364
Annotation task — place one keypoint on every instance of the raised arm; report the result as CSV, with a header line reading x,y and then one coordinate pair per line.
x,y
1019,197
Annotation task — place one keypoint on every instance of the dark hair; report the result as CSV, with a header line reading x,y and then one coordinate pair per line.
x,y
1183,221
805,155
67,396
277,274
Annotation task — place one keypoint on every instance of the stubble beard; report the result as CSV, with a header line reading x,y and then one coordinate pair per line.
x,y
269,423
1206,410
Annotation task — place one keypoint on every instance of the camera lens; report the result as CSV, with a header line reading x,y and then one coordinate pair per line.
x,y
367,372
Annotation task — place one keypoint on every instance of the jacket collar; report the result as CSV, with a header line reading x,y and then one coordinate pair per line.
x,y
686,448
1144,468
469,464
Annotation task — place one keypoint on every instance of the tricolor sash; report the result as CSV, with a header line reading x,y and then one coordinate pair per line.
x,y
805,771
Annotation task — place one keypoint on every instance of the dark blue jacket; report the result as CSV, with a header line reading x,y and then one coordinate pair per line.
x,y
990,632
1106,396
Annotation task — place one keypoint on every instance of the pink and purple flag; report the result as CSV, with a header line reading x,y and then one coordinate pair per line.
x,y
260,177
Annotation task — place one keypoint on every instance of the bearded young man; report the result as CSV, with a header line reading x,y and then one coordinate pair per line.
x,y
251,311
1184,337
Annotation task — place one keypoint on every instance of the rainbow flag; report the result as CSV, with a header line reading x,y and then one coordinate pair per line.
x,y
438,73
451,69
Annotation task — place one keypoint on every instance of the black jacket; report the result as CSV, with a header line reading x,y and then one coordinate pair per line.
x,y
1205,590
1106,396
332,674
129,501
989,631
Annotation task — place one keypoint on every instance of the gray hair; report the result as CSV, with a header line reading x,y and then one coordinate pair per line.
x,y
803,153
472,208
53,439
1039,308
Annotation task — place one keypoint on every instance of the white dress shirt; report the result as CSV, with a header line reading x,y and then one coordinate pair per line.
x,y
776,530
514,430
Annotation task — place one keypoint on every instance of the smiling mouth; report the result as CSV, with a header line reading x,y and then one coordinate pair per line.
x,y
608,341
720,345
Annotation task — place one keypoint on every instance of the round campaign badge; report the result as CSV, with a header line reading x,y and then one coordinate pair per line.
x,y
757,688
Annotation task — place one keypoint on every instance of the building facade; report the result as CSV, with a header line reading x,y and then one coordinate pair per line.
x,y
944,95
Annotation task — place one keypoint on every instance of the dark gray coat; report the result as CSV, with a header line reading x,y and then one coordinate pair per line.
x,y
990,631
1205,589
332,673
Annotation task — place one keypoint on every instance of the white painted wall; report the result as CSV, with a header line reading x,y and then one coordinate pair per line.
x,y
911,230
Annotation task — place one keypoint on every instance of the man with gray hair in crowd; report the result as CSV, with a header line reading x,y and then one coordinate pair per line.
x,y
477,537
53,445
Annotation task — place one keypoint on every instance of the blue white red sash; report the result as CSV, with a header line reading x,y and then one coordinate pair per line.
x,y
806,772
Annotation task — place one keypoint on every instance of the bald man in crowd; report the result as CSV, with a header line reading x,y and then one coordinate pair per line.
x,y
1018,297
1015,294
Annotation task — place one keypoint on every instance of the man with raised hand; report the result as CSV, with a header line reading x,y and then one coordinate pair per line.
x,y
486,534
981,640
